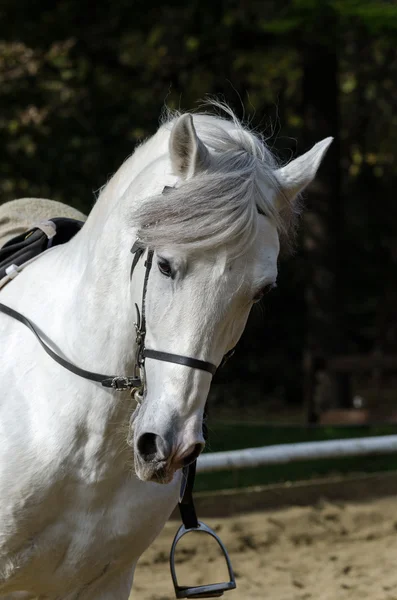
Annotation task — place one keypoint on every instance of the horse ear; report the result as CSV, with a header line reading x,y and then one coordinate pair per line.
x,y
188,153
295,176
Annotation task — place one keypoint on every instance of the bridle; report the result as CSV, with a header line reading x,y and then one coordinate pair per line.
x,y
140,327
136,382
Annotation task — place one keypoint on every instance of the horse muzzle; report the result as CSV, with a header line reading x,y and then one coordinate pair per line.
x,y
157,461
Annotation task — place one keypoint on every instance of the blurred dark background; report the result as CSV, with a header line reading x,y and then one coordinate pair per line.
x,y
82,83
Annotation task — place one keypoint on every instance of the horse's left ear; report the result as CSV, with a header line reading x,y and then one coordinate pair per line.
x,y
188,153
295,176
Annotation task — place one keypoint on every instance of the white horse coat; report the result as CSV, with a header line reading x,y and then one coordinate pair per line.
x,y
78,505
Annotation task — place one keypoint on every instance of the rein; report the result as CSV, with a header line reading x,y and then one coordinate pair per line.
x,y
109,381
122,382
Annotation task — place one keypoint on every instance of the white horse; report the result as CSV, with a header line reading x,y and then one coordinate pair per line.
x,y
78,505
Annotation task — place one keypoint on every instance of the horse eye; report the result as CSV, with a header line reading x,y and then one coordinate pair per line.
x,y
164,267
265,290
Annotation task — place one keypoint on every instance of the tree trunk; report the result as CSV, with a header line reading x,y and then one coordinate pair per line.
x,y
322,223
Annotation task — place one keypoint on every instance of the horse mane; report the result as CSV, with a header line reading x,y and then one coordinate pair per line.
x,y
219,206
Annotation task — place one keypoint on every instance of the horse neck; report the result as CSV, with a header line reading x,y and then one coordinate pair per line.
x,y
104,298
102,301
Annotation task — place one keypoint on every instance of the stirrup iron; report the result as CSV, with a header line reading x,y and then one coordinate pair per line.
x,y
212,590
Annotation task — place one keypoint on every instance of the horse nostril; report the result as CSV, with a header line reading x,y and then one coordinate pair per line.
x,y
193,455
147,446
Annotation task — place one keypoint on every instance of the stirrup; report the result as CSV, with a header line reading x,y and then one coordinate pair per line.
x,y
212,590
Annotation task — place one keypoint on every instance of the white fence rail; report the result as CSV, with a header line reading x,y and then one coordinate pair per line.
x,y
285,453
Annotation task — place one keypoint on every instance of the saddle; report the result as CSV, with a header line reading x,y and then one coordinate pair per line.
x,y
26,246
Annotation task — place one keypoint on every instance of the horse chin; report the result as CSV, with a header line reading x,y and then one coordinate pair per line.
x,y
156,472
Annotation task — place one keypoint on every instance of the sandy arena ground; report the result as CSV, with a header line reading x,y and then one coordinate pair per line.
x,y
327,552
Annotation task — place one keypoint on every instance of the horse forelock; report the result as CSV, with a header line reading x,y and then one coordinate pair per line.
x,y
220,205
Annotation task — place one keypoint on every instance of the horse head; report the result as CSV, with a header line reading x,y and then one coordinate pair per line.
x,y
215,237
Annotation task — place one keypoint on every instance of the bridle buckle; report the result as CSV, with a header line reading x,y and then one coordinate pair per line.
x,y
119,384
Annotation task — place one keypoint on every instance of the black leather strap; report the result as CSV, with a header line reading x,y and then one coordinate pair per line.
x,y
186,505
227,356
142,326
148,266
137,251
194,363
143,352
108,381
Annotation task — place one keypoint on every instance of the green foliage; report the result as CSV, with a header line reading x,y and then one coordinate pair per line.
x,y
377,16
